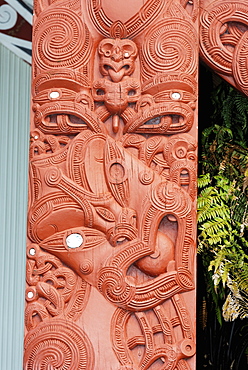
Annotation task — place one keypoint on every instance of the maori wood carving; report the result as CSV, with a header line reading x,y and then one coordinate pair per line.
x,y
224,40
111,221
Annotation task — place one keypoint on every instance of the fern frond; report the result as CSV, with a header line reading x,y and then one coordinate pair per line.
x,y
204,180
217,211
213,226
223,202
241,277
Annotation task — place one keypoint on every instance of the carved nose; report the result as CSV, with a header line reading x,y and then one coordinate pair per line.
x,y
117,55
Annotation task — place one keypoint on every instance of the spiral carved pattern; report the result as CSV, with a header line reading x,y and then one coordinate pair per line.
x,y
215,40
86,267
240,62
52,176
170,47
112,285
146,177
111,93
59,345
169,196
61,39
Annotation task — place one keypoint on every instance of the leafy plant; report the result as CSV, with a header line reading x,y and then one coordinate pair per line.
x,y
223,230
221,237
224,141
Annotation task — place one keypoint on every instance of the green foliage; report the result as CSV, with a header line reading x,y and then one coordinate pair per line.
x,y
220,238
223,203
214,218
224,142
231,107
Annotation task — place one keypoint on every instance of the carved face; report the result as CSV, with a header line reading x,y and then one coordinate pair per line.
x,y
115,228
117,58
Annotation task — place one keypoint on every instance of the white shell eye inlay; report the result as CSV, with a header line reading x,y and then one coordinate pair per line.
x,y
176,95
32,251
54,94
74,241
30,295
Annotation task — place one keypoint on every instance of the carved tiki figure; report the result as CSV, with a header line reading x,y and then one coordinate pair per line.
x,y
111,222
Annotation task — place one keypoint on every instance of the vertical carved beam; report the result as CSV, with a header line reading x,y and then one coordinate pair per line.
x,y
111,222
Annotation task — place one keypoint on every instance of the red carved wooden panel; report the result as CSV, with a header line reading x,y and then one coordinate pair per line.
x,y
111,221
224,39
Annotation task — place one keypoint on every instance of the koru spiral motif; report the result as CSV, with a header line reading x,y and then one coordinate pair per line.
x,y
111,220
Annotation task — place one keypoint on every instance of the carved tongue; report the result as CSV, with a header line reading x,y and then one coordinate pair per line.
x,y
116,76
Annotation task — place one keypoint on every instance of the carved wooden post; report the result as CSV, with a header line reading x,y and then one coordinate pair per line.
x,y
111,222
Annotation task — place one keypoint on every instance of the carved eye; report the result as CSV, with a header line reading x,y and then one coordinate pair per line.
x,y
54,95
131,92
121,240
30,295
144,103
106,49
76,120
74,240
128,51
176,96
191,156
100,92
153,121
32,251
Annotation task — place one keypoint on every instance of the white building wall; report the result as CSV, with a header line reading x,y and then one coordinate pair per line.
x,y
14,136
